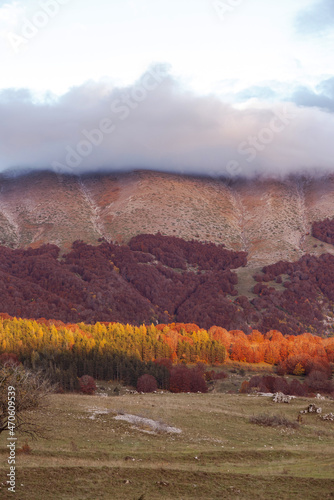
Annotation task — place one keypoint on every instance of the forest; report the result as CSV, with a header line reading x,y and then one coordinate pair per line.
x,y
160,279
323,230
122,352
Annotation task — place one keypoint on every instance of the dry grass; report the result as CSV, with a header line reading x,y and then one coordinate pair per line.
x,y
218,455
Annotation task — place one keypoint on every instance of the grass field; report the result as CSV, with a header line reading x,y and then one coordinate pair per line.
x,y
219,454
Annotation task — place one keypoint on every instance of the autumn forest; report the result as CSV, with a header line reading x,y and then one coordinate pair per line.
x,y
113,351
158,304
161,279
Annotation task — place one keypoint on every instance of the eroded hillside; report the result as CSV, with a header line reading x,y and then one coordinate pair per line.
x,y
269,219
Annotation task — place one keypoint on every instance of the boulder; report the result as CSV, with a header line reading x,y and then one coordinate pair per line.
x,y
279,397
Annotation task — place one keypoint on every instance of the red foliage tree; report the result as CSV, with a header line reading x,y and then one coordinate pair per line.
x,y
241,351
317,381
87,384
147,383
277,384
318,364
297,389
184,379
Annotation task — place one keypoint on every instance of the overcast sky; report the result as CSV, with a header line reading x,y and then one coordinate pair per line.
x,y
220,87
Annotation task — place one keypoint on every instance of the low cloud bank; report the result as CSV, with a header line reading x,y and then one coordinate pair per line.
x,y
157,124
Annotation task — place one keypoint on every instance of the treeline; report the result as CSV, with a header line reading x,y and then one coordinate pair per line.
x,y
113,351
177,342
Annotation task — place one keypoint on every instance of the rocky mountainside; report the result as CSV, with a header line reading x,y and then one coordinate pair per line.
x,y
269,219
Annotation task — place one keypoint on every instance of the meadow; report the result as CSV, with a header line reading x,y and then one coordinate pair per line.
x,y
213,451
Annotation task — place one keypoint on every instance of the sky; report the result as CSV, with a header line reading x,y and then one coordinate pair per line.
x,y
212,87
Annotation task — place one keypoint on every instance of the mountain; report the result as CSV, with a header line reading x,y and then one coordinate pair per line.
x,y
239,254
269,219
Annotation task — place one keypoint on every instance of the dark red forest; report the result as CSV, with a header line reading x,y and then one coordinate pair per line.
x,y
160,279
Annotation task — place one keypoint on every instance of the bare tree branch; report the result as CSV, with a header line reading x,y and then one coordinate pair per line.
x,y
31,392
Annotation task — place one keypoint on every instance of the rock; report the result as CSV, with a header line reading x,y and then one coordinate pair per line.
x,y
312,409
279,397
328,416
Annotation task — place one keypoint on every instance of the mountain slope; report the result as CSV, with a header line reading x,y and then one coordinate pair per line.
x,y
269,219
163,279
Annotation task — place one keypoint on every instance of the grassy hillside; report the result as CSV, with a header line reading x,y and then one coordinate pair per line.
x,y
218,454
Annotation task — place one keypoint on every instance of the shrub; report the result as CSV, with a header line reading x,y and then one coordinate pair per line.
x,y
220,375
147,383
212,375
318,381
277,384
87,384
184,379
244,387
273,421
280,384
299,370
9,358
179,379
263,387
255,381
268,384
297,389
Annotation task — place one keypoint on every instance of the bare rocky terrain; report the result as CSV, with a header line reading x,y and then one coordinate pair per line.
x,y
270,219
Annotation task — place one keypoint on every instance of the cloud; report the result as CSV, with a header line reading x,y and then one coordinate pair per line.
x,y
317,19
322,97
258,92
304,96
327,87
157,124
